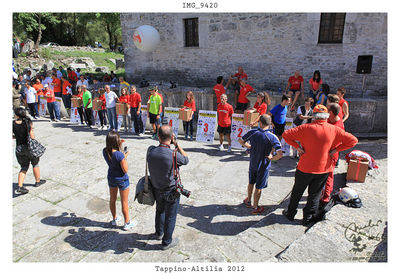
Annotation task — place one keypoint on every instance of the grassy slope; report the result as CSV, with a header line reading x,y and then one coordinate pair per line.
x,y
99,58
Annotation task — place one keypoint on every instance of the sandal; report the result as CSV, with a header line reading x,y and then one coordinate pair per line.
x,y
247,203
258,210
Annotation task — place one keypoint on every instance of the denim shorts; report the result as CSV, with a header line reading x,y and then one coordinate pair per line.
x,y
121,185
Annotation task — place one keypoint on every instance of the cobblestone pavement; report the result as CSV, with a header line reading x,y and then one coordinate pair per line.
x,y
67,219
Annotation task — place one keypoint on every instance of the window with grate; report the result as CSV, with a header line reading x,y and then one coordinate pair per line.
x,y
191,32
331,28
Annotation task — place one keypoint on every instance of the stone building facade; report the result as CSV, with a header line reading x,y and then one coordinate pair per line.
x,y
270,47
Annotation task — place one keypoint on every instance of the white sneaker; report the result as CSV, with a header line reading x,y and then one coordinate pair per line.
x,y
129,225
229,149
221,147
115,222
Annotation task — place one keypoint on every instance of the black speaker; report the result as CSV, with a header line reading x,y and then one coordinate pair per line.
x,y
364,64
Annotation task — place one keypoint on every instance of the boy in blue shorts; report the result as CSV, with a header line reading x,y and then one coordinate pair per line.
x,y
278,114
262,143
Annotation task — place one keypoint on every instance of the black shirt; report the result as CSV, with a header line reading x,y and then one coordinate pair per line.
x,y
20,132
161,167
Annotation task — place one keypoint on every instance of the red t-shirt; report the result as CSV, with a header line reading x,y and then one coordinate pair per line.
x,y
191,105
314,84
219,89
50,93
338,123
124,98
135,99
262,109
225,112
318,139
57,85
64,86
341,102
241,75
243,93
72,75
295,82
103,98
38,88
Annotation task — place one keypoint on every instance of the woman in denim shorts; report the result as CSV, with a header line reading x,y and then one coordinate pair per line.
x,y
117,177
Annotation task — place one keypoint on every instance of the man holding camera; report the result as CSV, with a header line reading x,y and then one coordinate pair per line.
x,y
165,183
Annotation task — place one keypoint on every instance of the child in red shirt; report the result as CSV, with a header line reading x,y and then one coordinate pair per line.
x,y
102,112
225,112
126,118
189,104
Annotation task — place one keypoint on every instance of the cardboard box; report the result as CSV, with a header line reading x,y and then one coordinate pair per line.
x,y
76,102
97,104
122,108
250,116
184,114
357,170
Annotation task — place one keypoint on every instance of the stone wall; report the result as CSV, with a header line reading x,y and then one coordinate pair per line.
x,y
270,47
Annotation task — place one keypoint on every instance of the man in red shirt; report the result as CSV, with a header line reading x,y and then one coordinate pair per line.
x,y
57,85
72,76
235,80
335,120
219,89
319,142
242,101
135,101
52,105
225,112
66,93
295,85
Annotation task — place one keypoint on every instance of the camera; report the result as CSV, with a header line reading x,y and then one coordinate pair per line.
x,y
181,190
125,149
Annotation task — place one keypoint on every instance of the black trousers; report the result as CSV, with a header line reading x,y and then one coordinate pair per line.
x,y
80,111
315,184
89,116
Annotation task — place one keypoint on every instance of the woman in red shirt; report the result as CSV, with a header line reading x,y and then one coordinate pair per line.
x,y
79,94
315,84
261,105
102,112
125,98
189,104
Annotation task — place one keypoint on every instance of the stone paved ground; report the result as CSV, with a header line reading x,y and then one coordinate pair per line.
x,y
67,219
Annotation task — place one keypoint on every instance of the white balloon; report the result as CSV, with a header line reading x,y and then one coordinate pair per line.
x,y
146,38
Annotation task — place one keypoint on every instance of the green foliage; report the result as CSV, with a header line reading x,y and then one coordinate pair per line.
x,y
70,29
26,25
45,53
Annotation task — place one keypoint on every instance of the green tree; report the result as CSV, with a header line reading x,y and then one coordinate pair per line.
x,y
112,24
32,24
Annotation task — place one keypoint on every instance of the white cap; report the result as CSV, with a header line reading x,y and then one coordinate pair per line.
x,y
45,85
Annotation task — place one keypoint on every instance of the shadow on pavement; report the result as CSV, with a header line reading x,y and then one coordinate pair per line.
x,y
207,217
99,240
